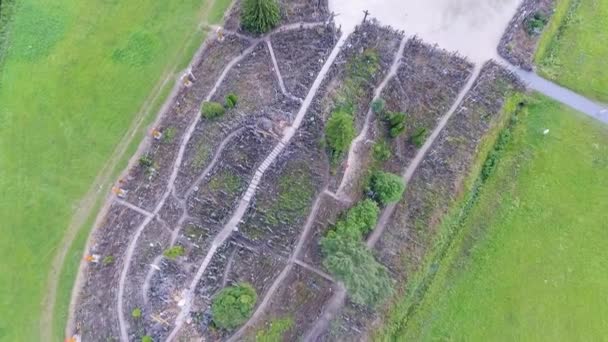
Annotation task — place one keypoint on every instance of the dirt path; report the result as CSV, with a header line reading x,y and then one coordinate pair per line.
x,y
175,232
253,185
100,185
353,160
288,267
337,300
409,172
180,155
278,72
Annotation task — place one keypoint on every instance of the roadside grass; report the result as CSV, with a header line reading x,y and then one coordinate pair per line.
x,y
74,75
573,50
528,262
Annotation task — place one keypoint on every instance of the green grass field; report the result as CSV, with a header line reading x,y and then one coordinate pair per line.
x,y
529,263
574,48
74,76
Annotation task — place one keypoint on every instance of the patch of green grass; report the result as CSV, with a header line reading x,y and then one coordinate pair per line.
x,y
201,154
295,190
227,182
174,252
275,330
528,261
574,48
73,78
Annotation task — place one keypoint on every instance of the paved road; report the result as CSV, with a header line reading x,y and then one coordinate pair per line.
x,y
561,94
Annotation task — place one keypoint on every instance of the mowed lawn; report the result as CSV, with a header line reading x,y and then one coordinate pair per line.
x,y
574,49
530,263
75,75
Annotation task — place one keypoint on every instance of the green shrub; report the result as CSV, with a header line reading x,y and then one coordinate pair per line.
x,y
419,137
367,281
136,313
363,216
169,134
382,151
107,260
536,23
212,110
339,133
396,122
146,161
259,16
233,305
378,106
174,252
386,187
231,101
147,339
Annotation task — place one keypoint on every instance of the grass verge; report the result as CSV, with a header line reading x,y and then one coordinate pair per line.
x,y
574,47
525,262
73,76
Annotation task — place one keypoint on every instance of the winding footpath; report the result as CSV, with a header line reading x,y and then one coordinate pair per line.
x,y
238,214
357,144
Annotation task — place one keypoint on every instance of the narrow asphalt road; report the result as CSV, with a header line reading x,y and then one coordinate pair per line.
x,y
559,93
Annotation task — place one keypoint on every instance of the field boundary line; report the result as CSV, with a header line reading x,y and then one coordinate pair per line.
x,y
105,176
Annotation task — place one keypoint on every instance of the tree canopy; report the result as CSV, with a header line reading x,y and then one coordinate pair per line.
x,y
260,16
233,305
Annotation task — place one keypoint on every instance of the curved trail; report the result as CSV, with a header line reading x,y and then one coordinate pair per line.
x,y
409,172
337,300
278,72
279,279
175,233
182,149
244,203
355,146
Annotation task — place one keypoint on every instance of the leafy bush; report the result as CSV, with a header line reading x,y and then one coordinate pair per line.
x,y
386,187
107,260
396,123
419,137
169,134
260,16
136,313
367,281
231,101
212,110
146,161
174,252
347,258
382,151
147,338
233,305
378,106
536,23
339,133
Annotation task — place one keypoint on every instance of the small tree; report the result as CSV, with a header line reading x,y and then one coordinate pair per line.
x,y
259,16
212,110
378,106
396,123
419,137
231,101
233,305
339,133
386,187
147,338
